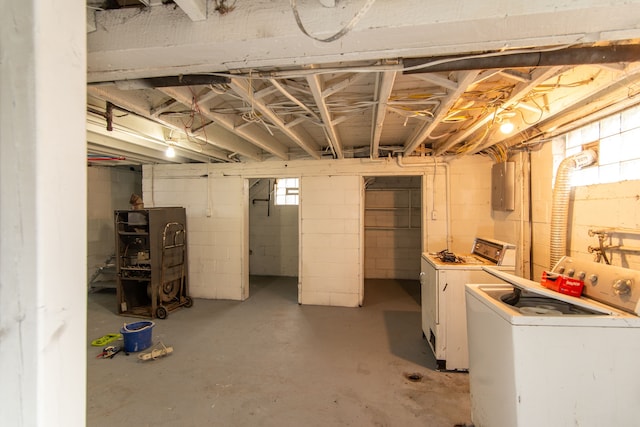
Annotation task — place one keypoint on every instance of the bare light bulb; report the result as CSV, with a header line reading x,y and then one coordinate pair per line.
x,y
170,152
506,127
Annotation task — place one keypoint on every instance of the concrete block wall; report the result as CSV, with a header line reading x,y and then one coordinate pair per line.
x,y
273,234
435,224
471,214
108,189
542,201
513,226
392,254
217,225
331,258
393,228
331,224
607,206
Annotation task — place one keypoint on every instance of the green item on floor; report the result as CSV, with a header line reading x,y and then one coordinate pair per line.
x,y
106,339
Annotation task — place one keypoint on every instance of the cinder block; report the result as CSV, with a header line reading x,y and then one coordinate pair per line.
x,y
314,298
344,299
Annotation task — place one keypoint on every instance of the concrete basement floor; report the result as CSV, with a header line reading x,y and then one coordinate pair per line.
x,y
268,361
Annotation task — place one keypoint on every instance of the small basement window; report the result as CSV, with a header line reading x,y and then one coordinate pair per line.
x,y
617,145
287,191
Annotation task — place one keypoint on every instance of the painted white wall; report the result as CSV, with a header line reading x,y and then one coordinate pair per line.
x,y
217,225
604,206
541,202
330,240
42,216
108,189
471,213
216,242
513,226
611,205
273,234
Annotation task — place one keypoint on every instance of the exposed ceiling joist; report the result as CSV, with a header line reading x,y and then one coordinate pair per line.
x,y
316,89
466,79
243,89
403,78
438,81
518,92
384,84
295,100
342,84
130,105
578,110
258,139
131,146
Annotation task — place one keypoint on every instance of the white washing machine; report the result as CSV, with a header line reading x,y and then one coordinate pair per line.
x,y
541,358
442,278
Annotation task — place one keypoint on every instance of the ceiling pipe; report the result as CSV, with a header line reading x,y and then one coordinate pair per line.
x,y
549,58
105,158
167,81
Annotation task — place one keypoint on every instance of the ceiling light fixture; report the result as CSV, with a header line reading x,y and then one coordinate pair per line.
x,y
506,127
170,152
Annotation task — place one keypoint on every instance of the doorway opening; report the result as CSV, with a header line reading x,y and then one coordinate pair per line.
x,y
273,237
393,231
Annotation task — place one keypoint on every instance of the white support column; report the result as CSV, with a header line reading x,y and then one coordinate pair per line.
x,y
43,278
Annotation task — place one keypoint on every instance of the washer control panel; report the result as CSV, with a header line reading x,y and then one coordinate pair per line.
x,y
608,284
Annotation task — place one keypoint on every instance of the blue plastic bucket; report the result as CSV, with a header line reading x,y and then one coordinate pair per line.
x,y
137,335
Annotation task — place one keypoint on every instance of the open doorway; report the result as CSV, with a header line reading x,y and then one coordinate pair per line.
x,y
273,237
393,233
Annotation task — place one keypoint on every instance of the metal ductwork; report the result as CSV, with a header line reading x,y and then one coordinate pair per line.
x,y
560,207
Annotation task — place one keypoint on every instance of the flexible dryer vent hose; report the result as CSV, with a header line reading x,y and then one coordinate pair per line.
x,y
560,207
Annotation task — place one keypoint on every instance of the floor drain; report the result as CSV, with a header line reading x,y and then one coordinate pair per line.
x,y
413,377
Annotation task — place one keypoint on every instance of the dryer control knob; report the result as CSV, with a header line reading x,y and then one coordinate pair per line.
x,y
582,275
561,269
571,272
622,287
593,279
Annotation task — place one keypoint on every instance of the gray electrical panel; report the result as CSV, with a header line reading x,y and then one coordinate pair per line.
x,y
503,177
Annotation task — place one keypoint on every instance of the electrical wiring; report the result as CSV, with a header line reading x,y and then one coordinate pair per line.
x,y
188,125
339,34
442,135
550,87
524,119
411,113
465,148
301,108
498,152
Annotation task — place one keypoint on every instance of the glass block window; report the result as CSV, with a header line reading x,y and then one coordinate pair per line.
x,y
287,191
618,149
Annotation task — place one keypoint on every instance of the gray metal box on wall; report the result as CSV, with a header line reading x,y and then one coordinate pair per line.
x,y
503,177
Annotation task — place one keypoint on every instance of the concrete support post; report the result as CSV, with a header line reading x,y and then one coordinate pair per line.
x,y
43,242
